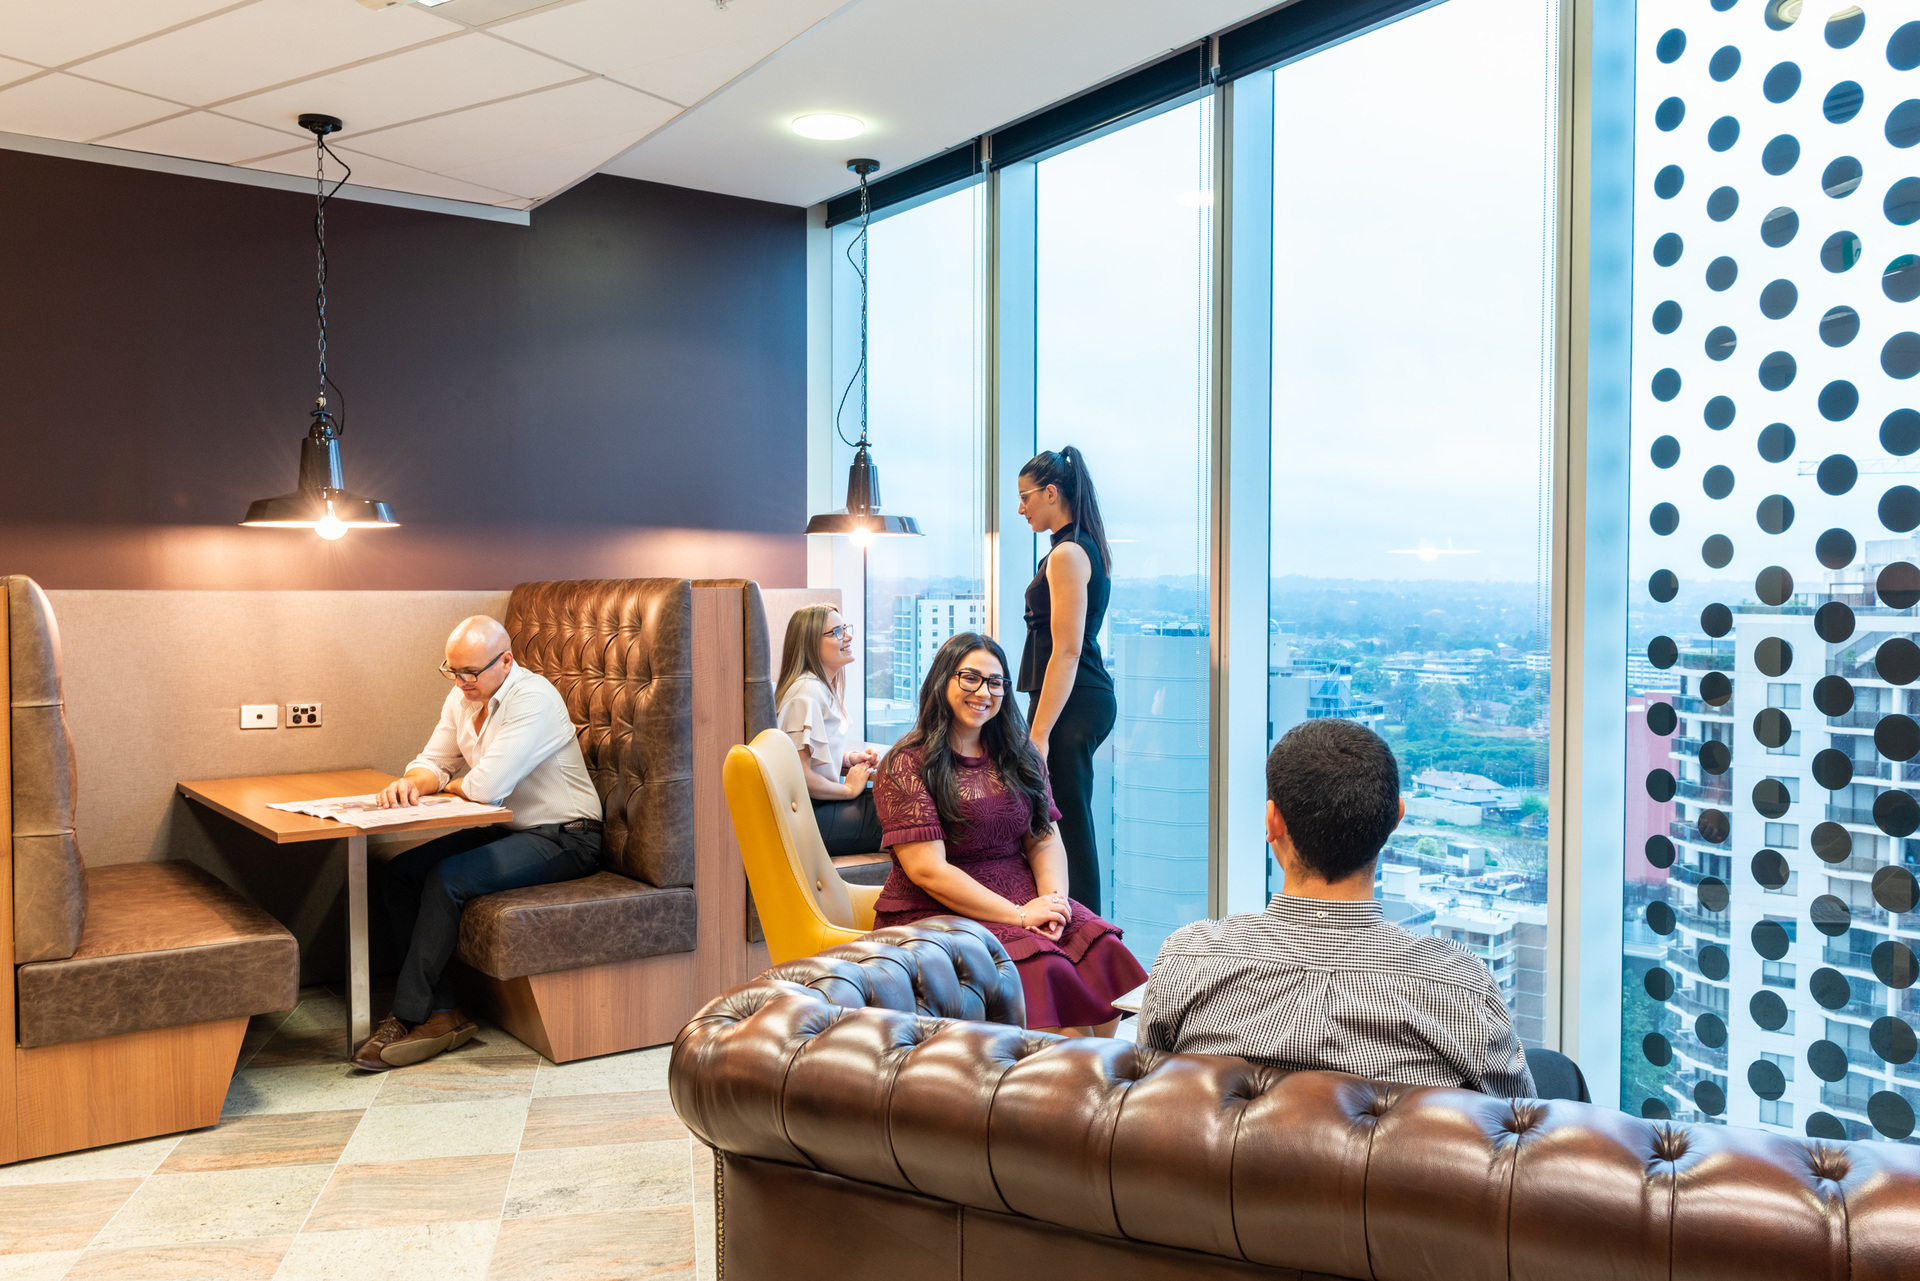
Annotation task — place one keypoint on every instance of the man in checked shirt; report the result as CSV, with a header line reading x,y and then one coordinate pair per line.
x,y
1322,979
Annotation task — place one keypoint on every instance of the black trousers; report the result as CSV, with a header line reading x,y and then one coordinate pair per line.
x,y
427,886
1084,724
851,826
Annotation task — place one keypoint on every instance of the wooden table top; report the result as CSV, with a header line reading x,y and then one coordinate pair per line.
x,y
245,801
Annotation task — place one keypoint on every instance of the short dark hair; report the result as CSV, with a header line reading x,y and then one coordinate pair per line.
x,y
1337,785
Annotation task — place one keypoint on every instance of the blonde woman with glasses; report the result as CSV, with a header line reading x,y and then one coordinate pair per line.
x,y
813,712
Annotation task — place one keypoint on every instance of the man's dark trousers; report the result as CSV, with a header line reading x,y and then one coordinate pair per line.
x,y
428,885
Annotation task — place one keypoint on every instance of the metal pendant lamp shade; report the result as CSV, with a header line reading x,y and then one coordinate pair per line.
x,y
862,518
323,502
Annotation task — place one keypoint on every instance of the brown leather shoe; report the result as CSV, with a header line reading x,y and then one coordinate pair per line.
x,y
447,1030
368,1055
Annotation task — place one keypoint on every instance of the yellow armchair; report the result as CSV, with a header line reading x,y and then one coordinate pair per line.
x,y
804,905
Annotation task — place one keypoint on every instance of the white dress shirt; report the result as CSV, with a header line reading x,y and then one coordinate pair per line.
x,y
526,758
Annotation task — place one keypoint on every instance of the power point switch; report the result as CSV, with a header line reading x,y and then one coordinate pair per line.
x,y
259,716
303,715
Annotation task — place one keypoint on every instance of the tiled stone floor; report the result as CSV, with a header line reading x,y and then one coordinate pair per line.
x,y
486,1164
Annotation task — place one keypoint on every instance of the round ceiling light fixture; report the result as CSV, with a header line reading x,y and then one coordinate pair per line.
x,y
828,126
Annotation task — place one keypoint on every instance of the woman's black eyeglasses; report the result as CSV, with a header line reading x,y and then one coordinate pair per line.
x,y
971,680
841,632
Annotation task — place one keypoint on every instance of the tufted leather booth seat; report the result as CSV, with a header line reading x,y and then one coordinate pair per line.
x,y
860,1138
125,948
620,651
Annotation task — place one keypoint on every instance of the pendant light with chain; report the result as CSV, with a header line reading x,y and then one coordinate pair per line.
x,y
322,503
862,518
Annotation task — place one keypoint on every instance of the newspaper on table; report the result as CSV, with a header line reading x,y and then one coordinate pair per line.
x,y
365,811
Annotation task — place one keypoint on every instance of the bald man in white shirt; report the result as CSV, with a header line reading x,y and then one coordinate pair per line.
x,y
504,738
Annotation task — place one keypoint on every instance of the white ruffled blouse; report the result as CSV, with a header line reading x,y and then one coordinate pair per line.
x,y
813,716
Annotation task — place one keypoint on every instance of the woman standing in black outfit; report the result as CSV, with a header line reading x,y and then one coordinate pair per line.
x,y
1070,705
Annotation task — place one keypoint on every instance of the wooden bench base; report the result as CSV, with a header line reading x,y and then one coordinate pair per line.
x,y
112,1089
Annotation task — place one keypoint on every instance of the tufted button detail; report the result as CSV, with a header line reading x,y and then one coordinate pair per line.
x,y
820,885
794,806
1829,1162
1669,1143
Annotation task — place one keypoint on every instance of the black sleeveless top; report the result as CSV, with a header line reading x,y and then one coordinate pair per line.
x,y
1092,672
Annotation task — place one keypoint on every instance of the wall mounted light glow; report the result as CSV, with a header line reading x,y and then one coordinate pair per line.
x,y
861,519
322,503
828,126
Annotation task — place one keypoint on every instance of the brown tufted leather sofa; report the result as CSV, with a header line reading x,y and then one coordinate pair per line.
x,y
864,1133
650,669
131,984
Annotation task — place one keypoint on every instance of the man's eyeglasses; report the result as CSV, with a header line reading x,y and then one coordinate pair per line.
x,y
971,680
468,674
842,632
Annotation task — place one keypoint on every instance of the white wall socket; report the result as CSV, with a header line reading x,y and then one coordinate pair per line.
x,y
260,716
303,715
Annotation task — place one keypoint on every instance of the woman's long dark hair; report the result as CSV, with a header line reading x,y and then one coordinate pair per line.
x,y
1068,470
1003,738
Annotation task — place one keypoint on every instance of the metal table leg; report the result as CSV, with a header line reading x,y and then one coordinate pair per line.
x,y
359,995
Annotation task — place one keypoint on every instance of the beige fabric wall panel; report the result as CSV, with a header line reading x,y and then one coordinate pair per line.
x,y
780,604
154,681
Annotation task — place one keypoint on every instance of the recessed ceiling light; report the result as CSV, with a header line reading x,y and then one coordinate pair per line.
x,y
828,125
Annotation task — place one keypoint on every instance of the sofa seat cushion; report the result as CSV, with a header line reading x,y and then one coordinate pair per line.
x,y
569,925
164,945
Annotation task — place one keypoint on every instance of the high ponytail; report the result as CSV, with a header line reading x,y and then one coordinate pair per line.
x,y
1068,470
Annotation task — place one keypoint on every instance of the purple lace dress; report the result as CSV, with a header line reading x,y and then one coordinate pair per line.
x,y
1071,983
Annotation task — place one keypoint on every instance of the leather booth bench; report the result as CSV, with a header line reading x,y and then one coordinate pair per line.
x,y
130,985
867,1131
661,677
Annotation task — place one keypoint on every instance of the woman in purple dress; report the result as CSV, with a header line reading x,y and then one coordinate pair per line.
x,y
967,814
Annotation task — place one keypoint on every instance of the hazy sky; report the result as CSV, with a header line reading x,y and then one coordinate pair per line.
x,y
1408,311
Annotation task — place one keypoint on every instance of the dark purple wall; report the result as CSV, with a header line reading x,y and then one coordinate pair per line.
x,y
583,396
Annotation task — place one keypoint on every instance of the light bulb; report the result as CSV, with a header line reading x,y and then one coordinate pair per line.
x,y
861,537
329,526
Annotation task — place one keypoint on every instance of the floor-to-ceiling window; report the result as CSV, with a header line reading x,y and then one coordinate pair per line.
x,y
1124,244
1413,215
924,393
1770,907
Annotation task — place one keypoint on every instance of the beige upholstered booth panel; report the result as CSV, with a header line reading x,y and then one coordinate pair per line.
x,y
780,604
155,680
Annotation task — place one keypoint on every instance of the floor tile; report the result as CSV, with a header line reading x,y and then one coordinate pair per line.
x,y
617,1176
581,1120
491,1042
58,1216
416,1131
260,1030
395,1194
459,1077
617,1246
268,1139
442,1251
333,1088
121,1161
634,1070
216,1206
250,1259
315,1032
49,1265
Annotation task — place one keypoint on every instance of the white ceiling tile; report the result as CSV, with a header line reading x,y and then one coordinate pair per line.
x,y
539,122
264,44
541,173
66,107
11,71
51,34
680,49
924,77
371,171
201,135
419,82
